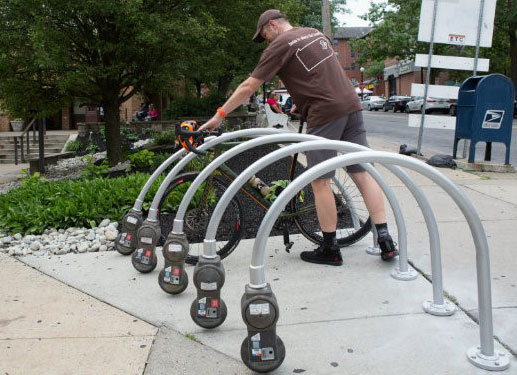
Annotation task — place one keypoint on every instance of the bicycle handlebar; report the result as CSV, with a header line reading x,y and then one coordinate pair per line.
x,y
190,139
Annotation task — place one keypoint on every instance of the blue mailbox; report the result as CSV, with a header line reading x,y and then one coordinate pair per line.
x,y
485,113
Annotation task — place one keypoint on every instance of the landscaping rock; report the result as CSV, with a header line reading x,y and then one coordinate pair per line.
x,y
111,235
6,240
104,223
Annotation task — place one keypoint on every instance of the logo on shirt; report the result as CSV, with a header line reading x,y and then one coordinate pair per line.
x,y
314,53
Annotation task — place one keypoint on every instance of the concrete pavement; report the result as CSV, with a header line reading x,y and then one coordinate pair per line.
x,y
354,319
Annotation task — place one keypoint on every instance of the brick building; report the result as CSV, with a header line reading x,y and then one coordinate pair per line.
x,y
346,57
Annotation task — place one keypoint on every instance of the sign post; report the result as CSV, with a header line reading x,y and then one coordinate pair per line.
x,y
451,22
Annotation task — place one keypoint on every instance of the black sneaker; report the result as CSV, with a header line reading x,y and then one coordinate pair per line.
x,y
388,247
322,255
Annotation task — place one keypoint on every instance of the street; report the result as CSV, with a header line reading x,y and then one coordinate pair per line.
x,y
394,127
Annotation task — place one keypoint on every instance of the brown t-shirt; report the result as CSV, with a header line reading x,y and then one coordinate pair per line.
x,y
304,60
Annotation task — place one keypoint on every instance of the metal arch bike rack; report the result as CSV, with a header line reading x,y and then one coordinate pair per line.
x,y
483,356
148,233
208,282
438,306
406,273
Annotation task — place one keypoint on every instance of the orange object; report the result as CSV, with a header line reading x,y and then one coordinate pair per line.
x,y
220,112
189,126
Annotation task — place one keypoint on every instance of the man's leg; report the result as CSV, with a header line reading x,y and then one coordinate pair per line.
x,y
325,204
326,211
374,201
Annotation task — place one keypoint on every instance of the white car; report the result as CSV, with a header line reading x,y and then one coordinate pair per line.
x,y
433,104
373,102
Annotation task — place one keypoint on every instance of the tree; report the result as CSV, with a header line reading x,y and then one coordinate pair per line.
x,y
99,51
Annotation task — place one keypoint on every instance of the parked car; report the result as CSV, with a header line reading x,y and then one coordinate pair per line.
x,y
373,102
452,108
433,105
396,103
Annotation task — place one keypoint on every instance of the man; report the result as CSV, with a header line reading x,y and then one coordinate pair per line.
x,y
305,61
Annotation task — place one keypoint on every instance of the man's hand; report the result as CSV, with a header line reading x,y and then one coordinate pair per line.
x,y
294,110
213,123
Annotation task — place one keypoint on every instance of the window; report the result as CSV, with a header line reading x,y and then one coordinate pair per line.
x,y
335,42
352,67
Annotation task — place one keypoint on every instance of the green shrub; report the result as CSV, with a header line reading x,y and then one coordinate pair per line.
x,y
276,187
95,171
164,137
92,148
74,145
129,134
38,204
159,159
192,106
146,131
142,159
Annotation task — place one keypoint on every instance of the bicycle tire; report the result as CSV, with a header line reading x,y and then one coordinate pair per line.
x,y
230,230
349,201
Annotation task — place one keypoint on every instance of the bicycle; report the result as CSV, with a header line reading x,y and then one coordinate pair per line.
x,y
353,220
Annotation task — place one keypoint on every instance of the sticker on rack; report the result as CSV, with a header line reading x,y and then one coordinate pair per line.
x,y
202,300
208,286
175,248
259,309
255,337
147,240
268,354
132,220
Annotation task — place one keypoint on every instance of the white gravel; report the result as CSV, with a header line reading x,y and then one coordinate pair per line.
x,y
60,242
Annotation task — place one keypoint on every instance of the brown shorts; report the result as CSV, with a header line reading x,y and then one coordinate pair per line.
x,y
348,128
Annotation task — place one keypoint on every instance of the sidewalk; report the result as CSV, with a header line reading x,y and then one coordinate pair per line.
x,y
93,313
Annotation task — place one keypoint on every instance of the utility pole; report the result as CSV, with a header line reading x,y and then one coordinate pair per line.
x,y
325,18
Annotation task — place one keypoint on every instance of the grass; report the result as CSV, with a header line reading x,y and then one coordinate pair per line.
x,y
193,338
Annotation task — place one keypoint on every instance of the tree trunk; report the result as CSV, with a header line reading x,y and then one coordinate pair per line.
x,y
112,121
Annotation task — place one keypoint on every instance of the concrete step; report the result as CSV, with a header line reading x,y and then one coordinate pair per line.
x,y
32,146
47,141
5,155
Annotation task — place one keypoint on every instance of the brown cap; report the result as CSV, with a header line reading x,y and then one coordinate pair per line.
x,y
271,14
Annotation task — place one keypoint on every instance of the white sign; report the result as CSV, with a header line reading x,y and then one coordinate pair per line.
x,y
457,22
451,62
435,91
432,121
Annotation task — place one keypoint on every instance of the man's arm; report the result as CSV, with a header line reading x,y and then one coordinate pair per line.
x,y
244,91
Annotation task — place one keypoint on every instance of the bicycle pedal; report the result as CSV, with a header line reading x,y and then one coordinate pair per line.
x,y
288,247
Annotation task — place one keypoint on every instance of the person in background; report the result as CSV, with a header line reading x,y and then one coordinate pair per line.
x,y
141,114
272,101
153,113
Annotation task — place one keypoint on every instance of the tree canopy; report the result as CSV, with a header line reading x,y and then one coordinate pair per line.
x,y
101,52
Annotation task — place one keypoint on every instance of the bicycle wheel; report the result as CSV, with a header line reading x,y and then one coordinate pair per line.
x,y
198,215
353,221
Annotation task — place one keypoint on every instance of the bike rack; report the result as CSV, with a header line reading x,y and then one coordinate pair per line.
x,y
483,356
438,306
